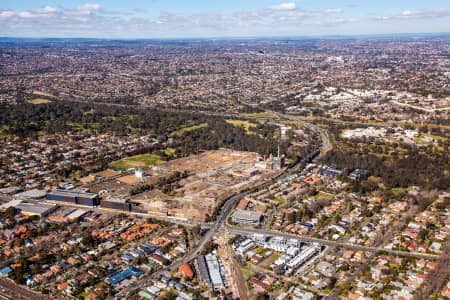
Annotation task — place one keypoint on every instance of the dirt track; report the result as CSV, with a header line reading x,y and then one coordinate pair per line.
x,y
16,292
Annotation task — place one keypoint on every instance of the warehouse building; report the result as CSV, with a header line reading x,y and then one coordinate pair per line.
x,y
202,270
80,198
31,194
31,209
214,270
10,190
246,217
250,172
116,203
75,214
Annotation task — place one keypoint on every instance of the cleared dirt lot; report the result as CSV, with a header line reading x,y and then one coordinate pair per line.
x,y
213,176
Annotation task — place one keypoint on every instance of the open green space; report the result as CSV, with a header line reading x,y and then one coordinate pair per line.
x,y
279,200
324,195
169,151
241,123
186,129
436,137
137,161
269,260
262,115
247,272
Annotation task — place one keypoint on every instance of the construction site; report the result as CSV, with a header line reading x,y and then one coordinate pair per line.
x,y
208,178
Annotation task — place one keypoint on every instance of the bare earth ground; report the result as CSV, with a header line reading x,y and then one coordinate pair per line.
x,y
214,175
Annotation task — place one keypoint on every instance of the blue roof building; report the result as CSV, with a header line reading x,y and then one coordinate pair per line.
x,y
125,274
5,271
214,270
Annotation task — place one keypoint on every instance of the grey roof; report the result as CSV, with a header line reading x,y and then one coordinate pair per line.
x,y
251,170
12,203
202,269
33,194
10,190
246,215
72,194
35,208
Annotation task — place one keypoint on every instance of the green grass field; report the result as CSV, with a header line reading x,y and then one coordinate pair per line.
x,y
262,115
245,124
269,260
169,151
324,195
137,161
186,129
246,272
279,200
436,137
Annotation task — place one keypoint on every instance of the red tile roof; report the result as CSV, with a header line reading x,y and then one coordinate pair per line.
x,y
186,270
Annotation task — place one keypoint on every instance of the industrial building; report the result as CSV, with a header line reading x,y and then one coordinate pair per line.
x,y
202,271
80,198
139,173
31,194
116,203
246,217
31,209
272,163
251,172
75,214
214,270
10,190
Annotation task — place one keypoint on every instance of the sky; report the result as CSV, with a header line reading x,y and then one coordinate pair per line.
x,y
130,19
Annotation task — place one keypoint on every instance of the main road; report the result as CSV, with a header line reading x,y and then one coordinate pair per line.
x,y
323,242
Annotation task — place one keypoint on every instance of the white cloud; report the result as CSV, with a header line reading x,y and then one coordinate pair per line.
x,y
26,14
6,14
331,11
423,14
84,10
284,6
336,21
47,10
93,19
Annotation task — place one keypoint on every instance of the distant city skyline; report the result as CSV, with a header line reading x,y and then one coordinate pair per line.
x,y
233,18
